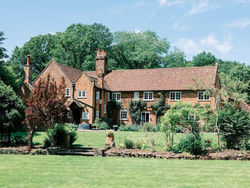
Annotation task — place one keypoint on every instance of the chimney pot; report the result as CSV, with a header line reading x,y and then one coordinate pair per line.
x,y
28,59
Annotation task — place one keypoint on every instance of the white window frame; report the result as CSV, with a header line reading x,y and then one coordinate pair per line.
x,y
67,92
203,96
105,108
80,94
136,95
146,93
97,95
97,115
108,96
115,94
85,115
146,112
121,111
171,92
69,114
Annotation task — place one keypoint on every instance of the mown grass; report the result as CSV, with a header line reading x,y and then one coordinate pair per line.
x,y
22,171
97,138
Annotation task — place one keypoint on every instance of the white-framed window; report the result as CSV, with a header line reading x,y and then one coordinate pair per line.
x,y
108,96
85,115
97,114
81,94
136,95
98,95
202,96
195,118
145,117
116,96
148,96
105,109
67,92
69,114
175,96
123,115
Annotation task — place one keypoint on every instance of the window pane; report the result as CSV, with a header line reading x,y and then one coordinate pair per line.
x,y
150,95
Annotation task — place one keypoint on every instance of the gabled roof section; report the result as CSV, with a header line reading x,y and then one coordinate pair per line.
x,y
183,78
72,73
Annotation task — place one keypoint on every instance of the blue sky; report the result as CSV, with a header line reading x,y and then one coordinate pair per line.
x,y
221,27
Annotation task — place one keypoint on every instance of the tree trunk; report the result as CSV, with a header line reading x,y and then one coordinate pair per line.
x,y
218,130
9,135
30,138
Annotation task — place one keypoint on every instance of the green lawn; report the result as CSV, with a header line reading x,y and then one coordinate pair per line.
x,y
97,138
73,171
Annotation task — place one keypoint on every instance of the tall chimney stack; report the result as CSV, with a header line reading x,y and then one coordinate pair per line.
x,y
28,71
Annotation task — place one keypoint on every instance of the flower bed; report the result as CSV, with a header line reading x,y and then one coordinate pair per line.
x,y
210,155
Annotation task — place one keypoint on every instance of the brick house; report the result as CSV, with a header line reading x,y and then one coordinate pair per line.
x,y
88,92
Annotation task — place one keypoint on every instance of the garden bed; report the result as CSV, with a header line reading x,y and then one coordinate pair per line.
x,y
210,155
24,150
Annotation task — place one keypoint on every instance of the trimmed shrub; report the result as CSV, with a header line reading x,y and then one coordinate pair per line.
x,y
234,126
150,127
132,127
102,125
62,135
192,143
19,141
128,144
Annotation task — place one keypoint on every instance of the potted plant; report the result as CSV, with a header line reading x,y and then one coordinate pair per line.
x,y
115,127
110,137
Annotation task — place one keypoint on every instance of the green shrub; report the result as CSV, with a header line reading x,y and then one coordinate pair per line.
x,y
150,127
19,141
234,126
128,144
62,135
192,143
132,127
102,125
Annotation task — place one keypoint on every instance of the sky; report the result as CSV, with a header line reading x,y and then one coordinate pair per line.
x,y
221,27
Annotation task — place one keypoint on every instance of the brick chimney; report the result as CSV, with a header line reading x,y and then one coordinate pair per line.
x,y
101,66
28,71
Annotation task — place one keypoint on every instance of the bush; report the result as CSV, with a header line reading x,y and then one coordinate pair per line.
x,y
132,127
128,144
192,143
102,125
19,141
62,135
150,127
234,126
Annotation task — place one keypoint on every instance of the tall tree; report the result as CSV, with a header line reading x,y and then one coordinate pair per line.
x,y
40,50
11,109
77,46
204,59
140,50
175,58
45,106
2,49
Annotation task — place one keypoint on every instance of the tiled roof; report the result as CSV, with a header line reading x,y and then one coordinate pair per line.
x,y
184,78
72,73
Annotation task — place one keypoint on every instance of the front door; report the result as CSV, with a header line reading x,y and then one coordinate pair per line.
x,y
76,112
145,117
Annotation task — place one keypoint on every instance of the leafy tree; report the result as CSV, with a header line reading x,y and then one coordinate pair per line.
x,y
2,49
234,126
175,58
204,59
160,107
8,76
11,109
40,50
45,106
77,46
180,115
135,109
138,50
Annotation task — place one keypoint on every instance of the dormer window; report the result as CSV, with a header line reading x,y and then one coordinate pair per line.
x,y
82,94
67,92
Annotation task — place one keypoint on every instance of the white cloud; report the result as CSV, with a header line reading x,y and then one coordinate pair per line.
x,y
169,2
199,6
242,23
180,26
209,43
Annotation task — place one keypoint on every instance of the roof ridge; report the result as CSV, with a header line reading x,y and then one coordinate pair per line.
x,y
197,67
